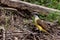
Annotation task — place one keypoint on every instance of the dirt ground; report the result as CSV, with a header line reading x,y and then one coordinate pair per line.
x,y
20,25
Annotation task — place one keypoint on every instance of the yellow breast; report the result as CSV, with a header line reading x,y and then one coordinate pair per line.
x,y
39,27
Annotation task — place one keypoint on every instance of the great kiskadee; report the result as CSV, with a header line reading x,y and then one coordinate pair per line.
x,y
39,24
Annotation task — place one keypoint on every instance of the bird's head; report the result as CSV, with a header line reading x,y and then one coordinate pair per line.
x,y
36,17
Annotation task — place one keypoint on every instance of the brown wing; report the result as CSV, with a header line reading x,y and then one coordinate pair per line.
x,y
43,24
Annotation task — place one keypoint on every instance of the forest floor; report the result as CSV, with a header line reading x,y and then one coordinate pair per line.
x,y
14,22
20,24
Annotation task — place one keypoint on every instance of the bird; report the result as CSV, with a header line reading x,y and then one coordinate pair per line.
x,y
39,24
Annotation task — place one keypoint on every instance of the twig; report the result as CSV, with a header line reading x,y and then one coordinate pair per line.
x,y
34,37
13,9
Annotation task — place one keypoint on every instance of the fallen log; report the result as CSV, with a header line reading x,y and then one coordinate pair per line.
x,y
25,5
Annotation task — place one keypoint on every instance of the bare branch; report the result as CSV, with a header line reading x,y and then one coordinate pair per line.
x,y
29,6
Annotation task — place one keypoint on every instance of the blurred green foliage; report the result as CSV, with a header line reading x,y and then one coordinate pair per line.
x,y
48,3
51,17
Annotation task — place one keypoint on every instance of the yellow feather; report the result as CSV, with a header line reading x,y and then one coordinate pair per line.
x,y
38,26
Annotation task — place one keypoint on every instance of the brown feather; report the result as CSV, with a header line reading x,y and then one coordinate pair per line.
x,y
43,24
